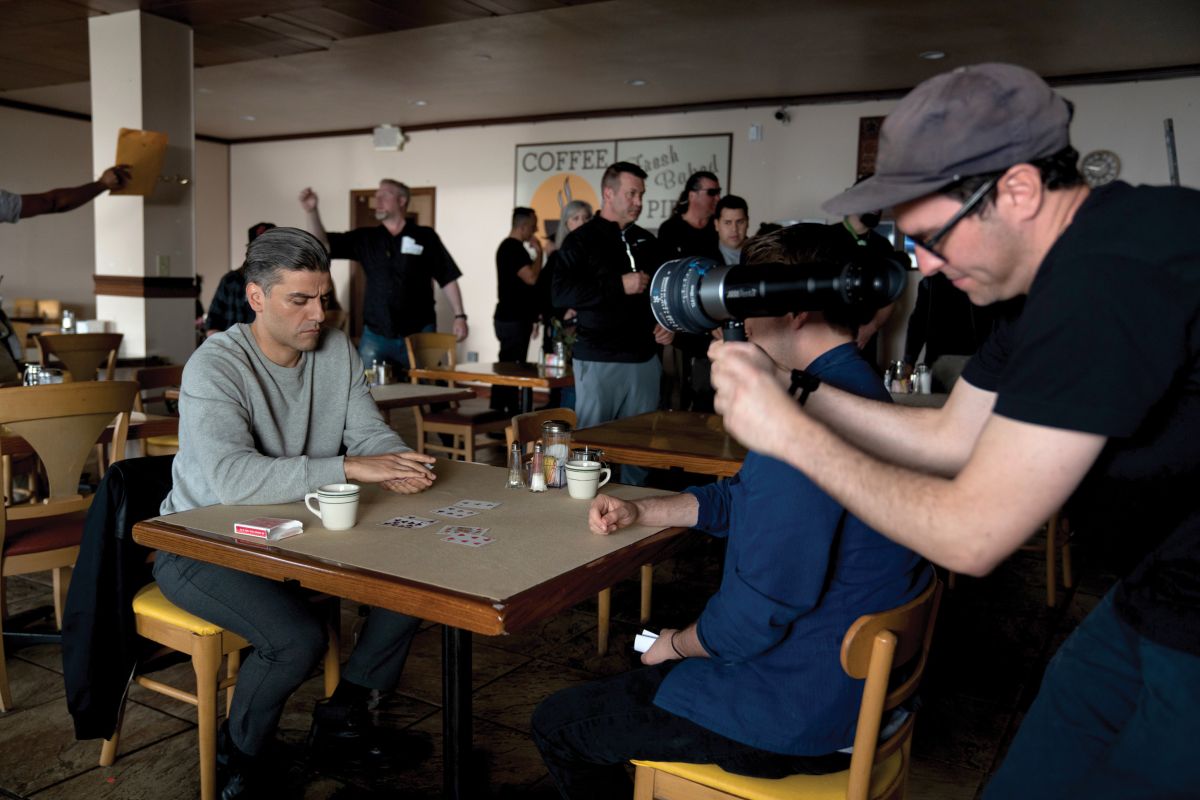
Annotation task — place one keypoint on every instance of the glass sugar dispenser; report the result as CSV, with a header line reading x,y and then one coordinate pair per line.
x,y
556,440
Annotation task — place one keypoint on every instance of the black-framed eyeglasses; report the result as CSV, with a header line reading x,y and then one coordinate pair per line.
x,y
930,245
711,192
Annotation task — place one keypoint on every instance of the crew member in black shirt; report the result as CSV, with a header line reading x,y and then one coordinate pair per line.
x,y
1093,392
689,231
401,260
517,299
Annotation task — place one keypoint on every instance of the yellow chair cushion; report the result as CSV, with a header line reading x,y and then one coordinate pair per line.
x,y
809,787
163,441
149,602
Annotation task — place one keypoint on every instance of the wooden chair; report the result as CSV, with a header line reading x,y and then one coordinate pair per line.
x,y
153,383
81,354
163,622
439,350
61,422
527,428
873,645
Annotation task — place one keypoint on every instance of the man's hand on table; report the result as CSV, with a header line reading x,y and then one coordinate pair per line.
x,y
404,473
750,395
609,514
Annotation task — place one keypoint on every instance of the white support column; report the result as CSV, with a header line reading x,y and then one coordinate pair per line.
x,y
141,77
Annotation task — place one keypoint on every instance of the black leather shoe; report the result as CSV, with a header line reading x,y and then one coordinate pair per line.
x,y
345,735
237,773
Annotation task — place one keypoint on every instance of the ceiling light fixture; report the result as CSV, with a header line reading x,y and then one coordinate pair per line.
x,y
636,82
419,103
204,90
248,118
932,55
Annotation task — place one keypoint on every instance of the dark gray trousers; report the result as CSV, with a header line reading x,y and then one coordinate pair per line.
x,y
288,635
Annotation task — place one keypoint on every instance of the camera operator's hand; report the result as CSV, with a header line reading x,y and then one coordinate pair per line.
x,y
663,335
751,395
635,282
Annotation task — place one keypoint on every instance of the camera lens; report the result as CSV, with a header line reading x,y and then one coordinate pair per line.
x,y
675,295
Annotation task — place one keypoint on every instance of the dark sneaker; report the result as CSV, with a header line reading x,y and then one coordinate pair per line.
x,y
237,773
345,735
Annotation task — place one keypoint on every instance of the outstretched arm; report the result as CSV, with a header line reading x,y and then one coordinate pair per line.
x,y
57,201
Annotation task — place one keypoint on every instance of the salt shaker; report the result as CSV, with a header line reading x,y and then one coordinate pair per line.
x,y
516,477
68,321
537,478
922,380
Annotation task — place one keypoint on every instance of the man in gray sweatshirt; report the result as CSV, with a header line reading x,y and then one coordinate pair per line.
x,y
268,411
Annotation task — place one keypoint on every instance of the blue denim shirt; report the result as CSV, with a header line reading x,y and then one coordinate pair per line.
x,y
799,570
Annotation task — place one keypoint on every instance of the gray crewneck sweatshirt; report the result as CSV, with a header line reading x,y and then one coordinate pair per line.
x,y
252,432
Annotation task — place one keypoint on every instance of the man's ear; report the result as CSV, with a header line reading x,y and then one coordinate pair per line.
x,y
1020,191
800,319
256,297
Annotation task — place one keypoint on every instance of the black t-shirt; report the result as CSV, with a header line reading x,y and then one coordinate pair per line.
x,y
678,239
517,301
400,271
1109,343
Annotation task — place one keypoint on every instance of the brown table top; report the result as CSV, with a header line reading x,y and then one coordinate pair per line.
x,y
501,373
688,439
141,426
935,400
406,395
543,558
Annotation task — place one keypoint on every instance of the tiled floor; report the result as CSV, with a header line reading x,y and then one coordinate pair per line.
x,y
994,638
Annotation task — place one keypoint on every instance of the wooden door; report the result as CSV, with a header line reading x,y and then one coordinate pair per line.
x,y
422,205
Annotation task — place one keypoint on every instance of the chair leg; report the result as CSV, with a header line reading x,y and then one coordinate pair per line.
x,y
333,664
108,751
647,588
6,701
233,663
1068,580
604,610
62,582
1051,555
469,446
206,661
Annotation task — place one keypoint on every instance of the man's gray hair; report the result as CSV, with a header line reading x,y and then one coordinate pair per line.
x,y
401,189
280,249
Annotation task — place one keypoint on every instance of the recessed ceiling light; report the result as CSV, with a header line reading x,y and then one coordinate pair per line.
x,y
636,82
933,55
204,90
419,103
248,118
483,57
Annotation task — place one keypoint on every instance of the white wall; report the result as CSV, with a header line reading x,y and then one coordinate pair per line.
x,y
53,256
787,175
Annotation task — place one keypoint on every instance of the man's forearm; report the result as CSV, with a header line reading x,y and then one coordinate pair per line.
x,y
676,510
928,439
454,295
312,221
57,201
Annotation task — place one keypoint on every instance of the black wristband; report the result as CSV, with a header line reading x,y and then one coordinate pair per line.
x,y
460,316
805,383
673,647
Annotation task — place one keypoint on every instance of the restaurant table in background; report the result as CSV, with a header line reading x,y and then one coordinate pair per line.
x,y
542,560
141,426
689,440
406,395
524,376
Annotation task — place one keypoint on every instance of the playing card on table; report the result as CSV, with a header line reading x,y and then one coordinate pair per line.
x,y
450,530
468,539
479,505
454,512
408,521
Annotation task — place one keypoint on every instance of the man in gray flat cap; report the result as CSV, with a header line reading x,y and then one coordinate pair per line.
x,y
1091,395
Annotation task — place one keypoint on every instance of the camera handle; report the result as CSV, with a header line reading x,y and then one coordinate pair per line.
x,y
734,330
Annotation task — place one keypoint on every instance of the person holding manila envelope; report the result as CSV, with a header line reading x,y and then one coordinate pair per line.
x,y
269,411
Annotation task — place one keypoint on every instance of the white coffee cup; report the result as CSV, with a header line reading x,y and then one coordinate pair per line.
x,y
338,505
583,478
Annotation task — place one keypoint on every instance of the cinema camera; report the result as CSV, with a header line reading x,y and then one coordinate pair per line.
x,y
695,295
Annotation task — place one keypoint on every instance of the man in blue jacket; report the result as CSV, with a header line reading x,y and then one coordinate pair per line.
x,y
755,684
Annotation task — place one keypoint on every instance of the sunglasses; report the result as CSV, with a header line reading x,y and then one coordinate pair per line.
x,y
930,245
710,192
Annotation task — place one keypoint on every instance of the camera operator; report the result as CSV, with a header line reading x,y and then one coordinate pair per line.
x,y
1099,378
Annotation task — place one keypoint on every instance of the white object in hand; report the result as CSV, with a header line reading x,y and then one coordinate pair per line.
x,y
337,505
644,640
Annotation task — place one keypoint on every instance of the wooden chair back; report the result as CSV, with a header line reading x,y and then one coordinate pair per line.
x,y
153,383
428,350
61,423
872,647
81,354
527,428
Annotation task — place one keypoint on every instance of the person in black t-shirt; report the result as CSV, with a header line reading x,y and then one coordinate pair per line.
x,y
517,304
401,260
1092,394
689,231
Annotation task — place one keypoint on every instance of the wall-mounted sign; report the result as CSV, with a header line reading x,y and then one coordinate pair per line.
x,y
548,176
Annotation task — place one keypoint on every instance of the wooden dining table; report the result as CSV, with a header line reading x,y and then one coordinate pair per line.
x,y
141,426
542,560
523,375
406,395
688,440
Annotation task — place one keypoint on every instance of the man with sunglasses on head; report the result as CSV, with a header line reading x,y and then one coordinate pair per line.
x,y
1092,394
